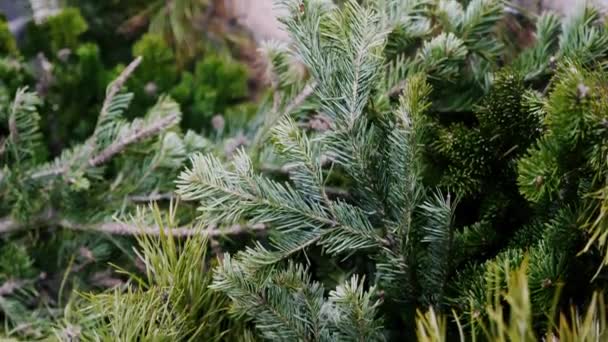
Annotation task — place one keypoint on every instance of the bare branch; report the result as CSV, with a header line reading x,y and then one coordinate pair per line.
x,y
2,146
10,286
50,172
118,83
152,197
8,225
119,228
300,98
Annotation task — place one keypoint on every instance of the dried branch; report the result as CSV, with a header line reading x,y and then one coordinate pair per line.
x,y
8,225
118,83
10,286
152,197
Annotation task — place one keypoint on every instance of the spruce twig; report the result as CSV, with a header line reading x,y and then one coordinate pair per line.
x,y
138,135
306,92
118,83
115,148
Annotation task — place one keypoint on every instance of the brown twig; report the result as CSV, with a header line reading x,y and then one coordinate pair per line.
x,y
118,83
8,225
152,197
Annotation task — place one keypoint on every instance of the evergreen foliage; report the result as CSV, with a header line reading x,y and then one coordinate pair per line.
x,y
430,135
78,149
407,161
9,45
575,325
71,73
37,191
176,305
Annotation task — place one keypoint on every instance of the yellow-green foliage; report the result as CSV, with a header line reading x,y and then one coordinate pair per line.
x,y
172,302
8,45
216,83
158,65
65,28
510,317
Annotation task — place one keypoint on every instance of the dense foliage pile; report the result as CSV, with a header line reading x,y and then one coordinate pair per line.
x,y
454,160
416,175
82,140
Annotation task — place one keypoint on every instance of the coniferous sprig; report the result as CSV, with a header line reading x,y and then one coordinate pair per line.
x,y
286,305
172,301
388,217
568,160
140,152
24,139
580,36
406,231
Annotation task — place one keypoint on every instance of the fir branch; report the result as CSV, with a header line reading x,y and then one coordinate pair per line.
x,y
356,311
534,61
114,103
136,136
439,235
24,136
116,147
291,106
228,195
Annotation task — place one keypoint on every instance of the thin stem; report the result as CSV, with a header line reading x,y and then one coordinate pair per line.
x,y
289,107
10,286
8,225
117,85
152,197
118,228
